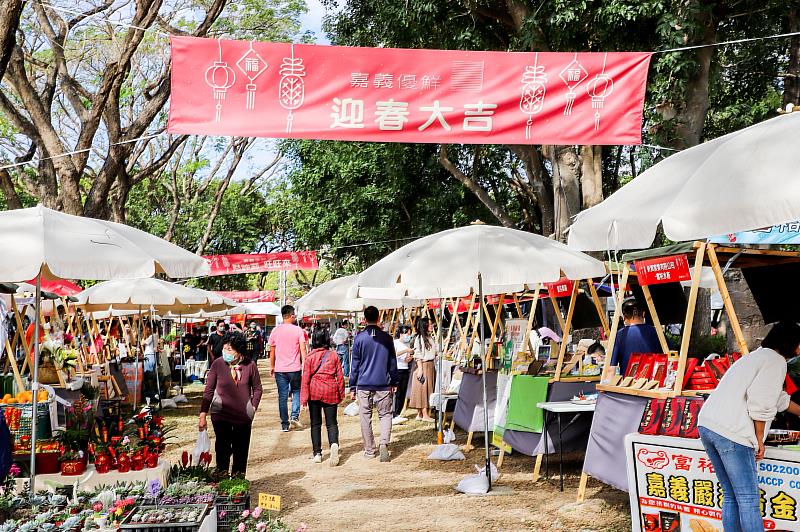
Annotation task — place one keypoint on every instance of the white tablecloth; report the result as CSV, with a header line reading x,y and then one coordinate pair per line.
x,y
91,479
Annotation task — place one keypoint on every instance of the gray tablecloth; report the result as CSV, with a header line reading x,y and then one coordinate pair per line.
x,y
574,438
468,414
616,416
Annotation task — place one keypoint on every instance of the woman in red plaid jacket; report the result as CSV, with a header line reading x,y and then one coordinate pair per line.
x,y
322,390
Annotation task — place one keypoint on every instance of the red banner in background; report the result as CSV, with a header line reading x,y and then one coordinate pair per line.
x,y
259,89
561,288
262,262
663,270
249,296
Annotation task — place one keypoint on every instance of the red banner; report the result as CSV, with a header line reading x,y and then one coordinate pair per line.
x,y
256,89
249,296
561,288
663,270
262,262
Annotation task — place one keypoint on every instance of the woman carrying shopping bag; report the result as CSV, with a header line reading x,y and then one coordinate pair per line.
x,y
322,389
233,391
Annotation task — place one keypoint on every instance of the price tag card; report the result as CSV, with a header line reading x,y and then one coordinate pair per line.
x,y
269,502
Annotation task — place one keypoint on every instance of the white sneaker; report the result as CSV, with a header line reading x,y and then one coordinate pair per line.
x,y
295,423
317,459
334,460
399,420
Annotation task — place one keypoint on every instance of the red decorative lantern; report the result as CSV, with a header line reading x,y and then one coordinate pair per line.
x,y
534,89
220,77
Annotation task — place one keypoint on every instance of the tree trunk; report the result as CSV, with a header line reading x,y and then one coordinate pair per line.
x,y
748,313
591,175
9,22
469,182
7,186
566,187
701,324
791,80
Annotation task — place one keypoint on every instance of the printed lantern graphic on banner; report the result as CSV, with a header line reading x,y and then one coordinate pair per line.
x,y
220,77
599,89
252,65
573,75
291,91
534,88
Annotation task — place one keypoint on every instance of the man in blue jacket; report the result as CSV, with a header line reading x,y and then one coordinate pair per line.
x,y
636,337
373,379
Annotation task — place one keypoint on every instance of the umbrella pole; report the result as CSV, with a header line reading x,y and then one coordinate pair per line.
x,y
136,360
439,376
155,348
35,381
180,346
483,382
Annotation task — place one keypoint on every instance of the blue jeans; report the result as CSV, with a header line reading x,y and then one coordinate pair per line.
x,y
344,355
735,466
288,381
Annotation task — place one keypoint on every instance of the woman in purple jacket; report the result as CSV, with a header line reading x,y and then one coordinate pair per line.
x,y
233,391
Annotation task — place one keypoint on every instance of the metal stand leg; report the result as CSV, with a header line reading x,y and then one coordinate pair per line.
x,y
546,448
560,452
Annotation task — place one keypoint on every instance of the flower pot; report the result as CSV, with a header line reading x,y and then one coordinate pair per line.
x,y
137,462
73,467
152,460
123,463
102,463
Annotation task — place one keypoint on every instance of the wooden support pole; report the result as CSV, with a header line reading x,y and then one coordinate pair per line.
x,y
582,487
559,317
651,307
531,317
687,326
565,333
537,467
612,334
726,299
598,306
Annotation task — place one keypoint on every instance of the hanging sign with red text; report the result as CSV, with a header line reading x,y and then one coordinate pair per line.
x,y
561,288
283,90
672,269
262,262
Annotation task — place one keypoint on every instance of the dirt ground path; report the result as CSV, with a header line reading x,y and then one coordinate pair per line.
x,y
408,493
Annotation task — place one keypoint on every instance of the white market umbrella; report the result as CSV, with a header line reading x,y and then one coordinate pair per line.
x,y
481,259
448,264
742,181
154,295
40,242
337,295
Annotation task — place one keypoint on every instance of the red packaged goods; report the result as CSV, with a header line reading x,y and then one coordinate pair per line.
x,y
691,364
736,356
651,418
725,361
673,414
670,522
660,373
645,368
633,365
651,522
689,422
716,368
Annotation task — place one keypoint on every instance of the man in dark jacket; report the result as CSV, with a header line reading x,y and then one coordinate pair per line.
x,y
373,379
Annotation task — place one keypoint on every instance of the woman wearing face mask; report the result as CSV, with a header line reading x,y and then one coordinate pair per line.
x,y
233,391
735,420
405,355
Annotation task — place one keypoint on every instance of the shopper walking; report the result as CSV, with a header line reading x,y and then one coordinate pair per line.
x,y
736,418
340,339
232,394
373,379
287,349
424,377
405,355
322,391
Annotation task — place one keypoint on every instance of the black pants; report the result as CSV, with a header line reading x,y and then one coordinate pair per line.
x,y
402,389
232,440
315,409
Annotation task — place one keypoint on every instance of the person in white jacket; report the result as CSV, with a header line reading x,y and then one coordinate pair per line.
x,y
736,417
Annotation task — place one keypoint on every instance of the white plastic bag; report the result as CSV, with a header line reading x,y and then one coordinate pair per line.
x,y
168,403
447,451
477,484
351,409
449,436
180,398
203,445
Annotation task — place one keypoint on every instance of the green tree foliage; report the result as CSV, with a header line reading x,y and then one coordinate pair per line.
x,y
342,195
